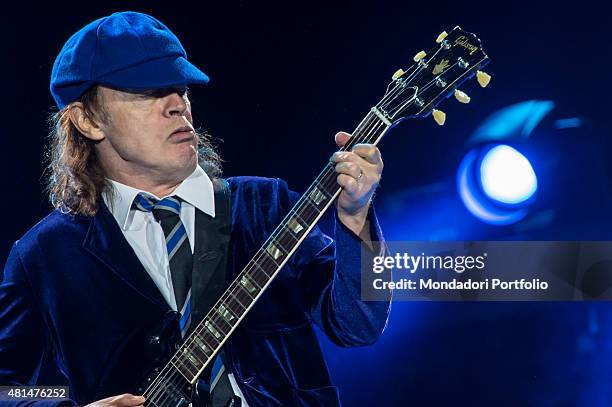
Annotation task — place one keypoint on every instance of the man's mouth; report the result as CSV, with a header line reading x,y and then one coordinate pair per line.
x,y
182,134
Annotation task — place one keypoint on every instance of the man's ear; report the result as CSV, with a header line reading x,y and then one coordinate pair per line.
x,y
89,126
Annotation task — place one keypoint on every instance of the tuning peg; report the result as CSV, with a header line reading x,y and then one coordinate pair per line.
x,y
483,78
441,37
397,74
420,55
439,116
462,96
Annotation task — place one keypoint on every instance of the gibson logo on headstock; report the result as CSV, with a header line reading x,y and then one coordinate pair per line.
x,y
440,67
463,42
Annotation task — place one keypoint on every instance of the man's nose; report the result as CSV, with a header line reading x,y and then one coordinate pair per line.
x,y
176,105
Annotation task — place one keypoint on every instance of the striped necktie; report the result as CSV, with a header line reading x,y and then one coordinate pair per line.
x,y
167,213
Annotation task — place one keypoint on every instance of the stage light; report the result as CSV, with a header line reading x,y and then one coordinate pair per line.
x,y
507,176
477,201
495,181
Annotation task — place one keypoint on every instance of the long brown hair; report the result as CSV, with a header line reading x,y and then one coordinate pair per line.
x,y
74,176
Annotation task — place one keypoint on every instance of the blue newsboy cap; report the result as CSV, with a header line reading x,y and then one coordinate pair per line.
x,y
124,50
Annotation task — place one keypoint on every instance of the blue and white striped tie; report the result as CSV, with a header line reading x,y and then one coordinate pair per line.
x,y
167,212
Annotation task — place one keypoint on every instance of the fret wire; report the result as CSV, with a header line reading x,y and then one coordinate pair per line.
x,y
244,291
259,275
240,296
287,239
211,325
223,326
329,183
186,369
177,357
302,221
235,294
255,263
232,301
178,368
268,257
224,301
220,321
239,292
198,351
229,308
278,244
197,337
273,241
191,352
303,214
250,280
205,334
312,203
310,212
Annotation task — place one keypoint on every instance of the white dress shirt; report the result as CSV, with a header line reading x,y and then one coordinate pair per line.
x,y
147,238
145,234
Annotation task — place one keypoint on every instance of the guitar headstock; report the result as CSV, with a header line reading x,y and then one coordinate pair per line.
x,y
435,75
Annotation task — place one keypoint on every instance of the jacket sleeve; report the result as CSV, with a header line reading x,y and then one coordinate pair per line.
x,y
329,275
24,338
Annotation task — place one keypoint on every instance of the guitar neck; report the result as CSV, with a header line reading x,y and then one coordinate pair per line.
x,y
207,338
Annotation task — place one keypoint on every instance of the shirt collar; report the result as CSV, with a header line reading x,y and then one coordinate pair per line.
x,y
197,189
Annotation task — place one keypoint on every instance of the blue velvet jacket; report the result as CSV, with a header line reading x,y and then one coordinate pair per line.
x,y
72,285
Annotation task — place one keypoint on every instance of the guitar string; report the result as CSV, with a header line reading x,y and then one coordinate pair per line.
x,y
401,88
273,237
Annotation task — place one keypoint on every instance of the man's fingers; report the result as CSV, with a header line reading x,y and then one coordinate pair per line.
x,y
361,153
369,152
128,400
341,138
349,168
349,183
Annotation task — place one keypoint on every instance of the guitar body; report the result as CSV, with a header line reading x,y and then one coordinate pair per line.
x,y
140,360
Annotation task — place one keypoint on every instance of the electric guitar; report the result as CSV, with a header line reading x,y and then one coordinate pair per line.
x,y
412,93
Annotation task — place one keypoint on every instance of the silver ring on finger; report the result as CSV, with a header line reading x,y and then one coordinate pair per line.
x,y
360,175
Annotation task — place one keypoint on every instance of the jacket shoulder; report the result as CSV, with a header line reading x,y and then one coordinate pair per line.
x,y
260,191
54,229
252,183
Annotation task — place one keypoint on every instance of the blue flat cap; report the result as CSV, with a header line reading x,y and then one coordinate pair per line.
x,y
126,50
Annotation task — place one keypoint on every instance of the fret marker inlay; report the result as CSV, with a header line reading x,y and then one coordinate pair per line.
x,y
317,196
225,313
192,358
273,251
201,345
295,226
246,283
212,329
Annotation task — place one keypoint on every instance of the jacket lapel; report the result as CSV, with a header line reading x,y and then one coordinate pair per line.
x,y
212,236
106,242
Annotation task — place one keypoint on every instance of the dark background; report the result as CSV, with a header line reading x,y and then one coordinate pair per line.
x,y
286,77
